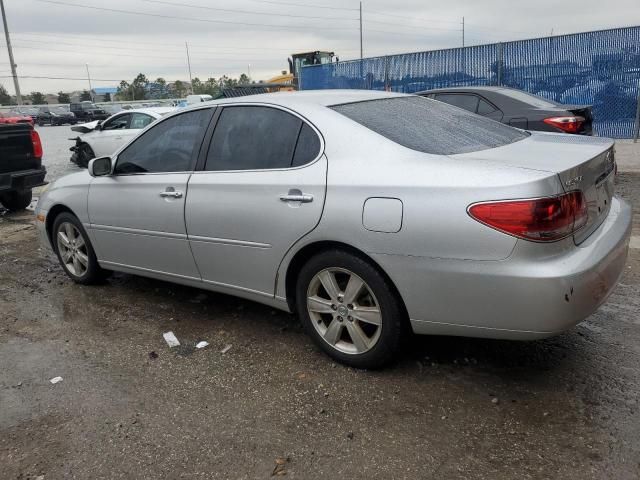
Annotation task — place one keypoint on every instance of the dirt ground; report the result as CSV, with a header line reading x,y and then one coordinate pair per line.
x,y
451,408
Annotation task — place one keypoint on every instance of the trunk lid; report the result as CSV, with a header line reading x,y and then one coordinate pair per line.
x,y
581,163
16,149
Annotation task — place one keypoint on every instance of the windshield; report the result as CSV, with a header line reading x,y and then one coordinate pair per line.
x,y
58,110
429,126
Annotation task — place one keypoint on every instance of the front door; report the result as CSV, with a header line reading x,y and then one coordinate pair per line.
x,y
110,136
137,214
262,189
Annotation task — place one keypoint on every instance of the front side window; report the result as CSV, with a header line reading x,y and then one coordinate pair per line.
x,y
429,126
140,120
120,122
169,146
259,138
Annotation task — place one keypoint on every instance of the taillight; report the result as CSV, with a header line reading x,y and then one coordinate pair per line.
x,y
566,124
37,144
540,219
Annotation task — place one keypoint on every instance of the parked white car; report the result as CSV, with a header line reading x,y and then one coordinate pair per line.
x,y
101,138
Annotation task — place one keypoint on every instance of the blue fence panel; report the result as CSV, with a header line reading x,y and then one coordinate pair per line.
x,y
599,68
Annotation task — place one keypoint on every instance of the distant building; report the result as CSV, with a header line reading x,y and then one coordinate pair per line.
x,y
100,93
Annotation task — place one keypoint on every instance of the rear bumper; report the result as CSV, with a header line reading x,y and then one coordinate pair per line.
x,y
527,296
22,180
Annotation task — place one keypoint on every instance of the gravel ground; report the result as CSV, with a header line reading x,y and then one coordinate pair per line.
x,y
451,408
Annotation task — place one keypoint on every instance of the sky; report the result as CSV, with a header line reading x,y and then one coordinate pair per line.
x,y
118,39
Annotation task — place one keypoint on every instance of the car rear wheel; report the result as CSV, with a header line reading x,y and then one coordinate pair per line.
x,y
74,250
16,200
350,309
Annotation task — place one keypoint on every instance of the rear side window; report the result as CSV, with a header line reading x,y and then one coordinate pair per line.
x,y
429,126
485,108
308,146
460,100
170,146
259,138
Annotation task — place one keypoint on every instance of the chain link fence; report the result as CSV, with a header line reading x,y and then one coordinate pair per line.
x,y
599,68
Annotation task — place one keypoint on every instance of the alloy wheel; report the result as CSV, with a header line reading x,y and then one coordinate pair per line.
x,y
344,311
72,249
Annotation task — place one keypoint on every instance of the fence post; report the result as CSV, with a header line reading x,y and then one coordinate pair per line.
x,y
500,60
637,122
386,74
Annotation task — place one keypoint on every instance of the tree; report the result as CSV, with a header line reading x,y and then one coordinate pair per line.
x,y
124,91
179,88
162,87
5,98
63,97
197,86
139,86
37,98
86,96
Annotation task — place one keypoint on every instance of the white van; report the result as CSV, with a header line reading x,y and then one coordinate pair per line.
x,y
191,99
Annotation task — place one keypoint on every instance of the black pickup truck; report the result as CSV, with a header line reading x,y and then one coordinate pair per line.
x,y
20,165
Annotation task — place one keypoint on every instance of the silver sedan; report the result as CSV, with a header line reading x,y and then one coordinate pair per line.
x,y
369,214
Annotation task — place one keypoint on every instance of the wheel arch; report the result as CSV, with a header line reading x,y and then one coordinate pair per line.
x,y
312,249
51,217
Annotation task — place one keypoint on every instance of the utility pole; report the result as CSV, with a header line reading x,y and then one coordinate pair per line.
x,y
14,74
463,31
89,78
189,64
360,30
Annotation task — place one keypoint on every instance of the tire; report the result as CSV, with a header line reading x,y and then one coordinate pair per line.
x,y
15,201
74,250
362,344
40,123
85,154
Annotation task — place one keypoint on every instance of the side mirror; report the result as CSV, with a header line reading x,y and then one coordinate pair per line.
x,y
100,167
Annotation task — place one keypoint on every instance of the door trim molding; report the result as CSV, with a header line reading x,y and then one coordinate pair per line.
x,y
137,231
228,241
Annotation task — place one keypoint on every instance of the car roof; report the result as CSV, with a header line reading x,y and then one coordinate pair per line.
x,y
151,110
465,89
308,97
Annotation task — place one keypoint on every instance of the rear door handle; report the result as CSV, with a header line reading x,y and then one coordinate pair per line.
x,y
297,197
171,194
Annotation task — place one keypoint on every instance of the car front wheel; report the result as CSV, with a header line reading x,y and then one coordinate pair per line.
x,y
74,250
350,309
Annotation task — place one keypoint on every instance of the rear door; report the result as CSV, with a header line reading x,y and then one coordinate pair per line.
x,y
262,187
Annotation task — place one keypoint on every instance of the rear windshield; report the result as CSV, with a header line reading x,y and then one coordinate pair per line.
x,y
429,126
528,98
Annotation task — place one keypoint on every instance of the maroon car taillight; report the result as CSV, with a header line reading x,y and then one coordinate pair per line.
x,y
566,124
540,219
36,144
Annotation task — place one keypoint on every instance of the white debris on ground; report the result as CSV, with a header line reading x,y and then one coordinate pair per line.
x,y
55,380
225,349
171,339
202,344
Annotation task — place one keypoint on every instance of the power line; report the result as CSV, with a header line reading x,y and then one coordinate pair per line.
x,y
377,12
155,44
84,79
328,7
190,19
93,47
246,12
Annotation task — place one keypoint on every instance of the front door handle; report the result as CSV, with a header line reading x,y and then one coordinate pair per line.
x,y
297,197
171,194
